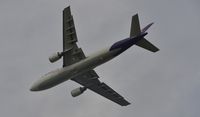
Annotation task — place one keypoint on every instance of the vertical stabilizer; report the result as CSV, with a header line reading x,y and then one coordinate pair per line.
x,y
135,26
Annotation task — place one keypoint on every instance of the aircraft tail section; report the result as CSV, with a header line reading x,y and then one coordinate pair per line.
x,y
135,30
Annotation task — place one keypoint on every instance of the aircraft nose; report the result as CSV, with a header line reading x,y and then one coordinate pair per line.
x,y
34,88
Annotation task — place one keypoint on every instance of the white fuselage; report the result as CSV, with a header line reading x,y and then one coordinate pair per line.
x,y
60,75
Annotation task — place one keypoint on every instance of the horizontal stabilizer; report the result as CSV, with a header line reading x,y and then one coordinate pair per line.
x,y
147,45
147,27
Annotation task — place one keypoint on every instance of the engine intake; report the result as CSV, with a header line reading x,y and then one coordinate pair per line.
x,y
55,57
76,92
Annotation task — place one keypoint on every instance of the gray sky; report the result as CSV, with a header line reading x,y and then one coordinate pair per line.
x,y
163,84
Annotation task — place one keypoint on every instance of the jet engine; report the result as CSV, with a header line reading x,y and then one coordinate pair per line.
x,y
54,57
78,91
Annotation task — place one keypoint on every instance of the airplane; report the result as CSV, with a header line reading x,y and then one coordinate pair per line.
x,y
80,68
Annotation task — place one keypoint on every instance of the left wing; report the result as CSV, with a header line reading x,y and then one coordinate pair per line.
x,y
90,81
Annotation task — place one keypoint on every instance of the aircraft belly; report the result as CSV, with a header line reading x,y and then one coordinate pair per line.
x,y
60,75
94,60
54,78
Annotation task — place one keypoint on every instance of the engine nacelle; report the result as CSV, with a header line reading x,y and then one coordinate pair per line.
x,y
78,91
54,57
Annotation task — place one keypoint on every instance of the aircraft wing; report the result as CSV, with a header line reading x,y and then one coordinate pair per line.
x,y
72,54
90,81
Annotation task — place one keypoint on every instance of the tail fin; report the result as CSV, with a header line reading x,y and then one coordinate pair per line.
x,y
135,26
135,30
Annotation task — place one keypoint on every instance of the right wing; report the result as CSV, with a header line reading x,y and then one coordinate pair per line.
x,y
72,53
90,81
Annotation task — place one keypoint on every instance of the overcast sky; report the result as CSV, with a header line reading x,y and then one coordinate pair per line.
x,y
162,84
